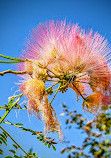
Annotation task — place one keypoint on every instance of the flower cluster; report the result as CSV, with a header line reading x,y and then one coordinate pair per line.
x,y
66,55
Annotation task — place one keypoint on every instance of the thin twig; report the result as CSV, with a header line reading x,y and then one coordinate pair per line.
x,y
79,91
11,58
10,62
52,86
55,94
48,70
4,107
12,72
52,80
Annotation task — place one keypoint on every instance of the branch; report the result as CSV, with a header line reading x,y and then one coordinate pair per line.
x,y
14,141
12,72
10,62
11,58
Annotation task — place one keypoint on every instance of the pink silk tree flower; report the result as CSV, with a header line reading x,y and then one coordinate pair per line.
x,y
68,56
69,48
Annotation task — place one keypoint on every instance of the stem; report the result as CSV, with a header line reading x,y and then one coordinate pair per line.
x,y
9,62
15,152
41,66
3,107
51,86
78,91
11,58
4,116
52,80
12,72
6,113
65,85
14,141
52,72
61,87
10,108
51,76
55,95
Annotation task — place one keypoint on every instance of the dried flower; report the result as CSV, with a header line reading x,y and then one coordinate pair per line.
x,y
34,89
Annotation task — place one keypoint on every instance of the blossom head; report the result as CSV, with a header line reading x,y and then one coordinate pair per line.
x,y
68,56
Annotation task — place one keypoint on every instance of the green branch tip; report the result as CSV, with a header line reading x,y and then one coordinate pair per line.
x,y
9,62
11,58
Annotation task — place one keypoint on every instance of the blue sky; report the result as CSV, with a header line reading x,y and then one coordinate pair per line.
x,y
17,18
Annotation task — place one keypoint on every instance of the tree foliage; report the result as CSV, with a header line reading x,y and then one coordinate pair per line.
x,y
97,142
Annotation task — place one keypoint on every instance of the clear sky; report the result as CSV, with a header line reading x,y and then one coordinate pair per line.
x,y
17,18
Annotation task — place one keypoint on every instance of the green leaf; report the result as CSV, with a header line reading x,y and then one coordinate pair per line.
x,y
40,140
12,151
3,140
10,122
2,135
45,143
53,147
16,147
6,105
15,156
21,124
11,100
8,157
5,134
25,106
49,145
1,152
35,154
69,156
